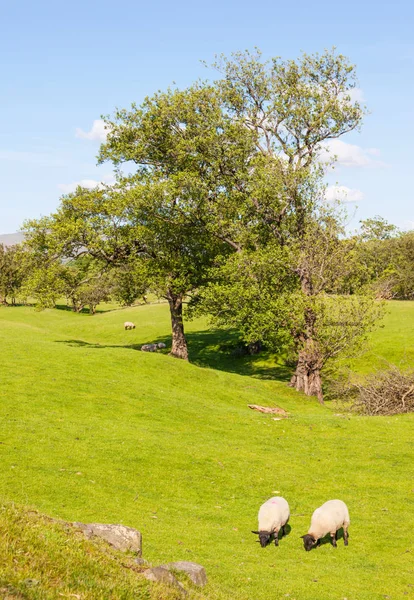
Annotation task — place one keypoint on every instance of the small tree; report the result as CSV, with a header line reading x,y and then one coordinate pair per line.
x,y
85,282
11,273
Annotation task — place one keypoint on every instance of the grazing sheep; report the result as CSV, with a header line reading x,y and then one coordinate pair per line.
x,y
149,348
328,518
129,325
273,516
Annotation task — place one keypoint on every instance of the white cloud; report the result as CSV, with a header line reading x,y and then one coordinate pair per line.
x,y
343,193
68,188
407,225
350,155
97,133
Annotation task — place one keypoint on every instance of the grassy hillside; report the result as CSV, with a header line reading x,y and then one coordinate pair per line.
x,y
44,559
92,430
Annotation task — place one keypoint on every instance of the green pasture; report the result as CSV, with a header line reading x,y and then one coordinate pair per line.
x,y
92,429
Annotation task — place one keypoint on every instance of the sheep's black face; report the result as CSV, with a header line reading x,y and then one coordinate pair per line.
x,y
264,537
308,542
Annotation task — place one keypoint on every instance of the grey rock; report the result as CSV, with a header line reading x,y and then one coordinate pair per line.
x,y
119,536
161,345
161,575
196,572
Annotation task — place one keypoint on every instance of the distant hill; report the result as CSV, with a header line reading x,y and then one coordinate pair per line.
x,y
8,239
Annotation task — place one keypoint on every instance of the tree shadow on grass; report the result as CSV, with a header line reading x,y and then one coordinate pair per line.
x,y
213,349
84,311
218,349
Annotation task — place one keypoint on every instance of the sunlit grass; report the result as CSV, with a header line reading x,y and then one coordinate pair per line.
x,y
93,430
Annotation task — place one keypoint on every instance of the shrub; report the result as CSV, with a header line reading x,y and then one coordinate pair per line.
x,y
386,392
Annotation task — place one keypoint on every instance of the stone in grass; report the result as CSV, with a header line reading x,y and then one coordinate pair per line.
x,y
196,572
162,575
119,536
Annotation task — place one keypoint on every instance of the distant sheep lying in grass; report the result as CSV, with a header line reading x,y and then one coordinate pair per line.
x,y
129,325
152,347
328,518
149,348
273,516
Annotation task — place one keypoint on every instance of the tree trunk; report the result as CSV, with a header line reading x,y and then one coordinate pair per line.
x,y
179,343
307,376
77,308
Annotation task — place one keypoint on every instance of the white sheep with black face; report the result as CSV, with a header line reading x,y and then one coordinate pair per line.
x,y
129,325
328,518
273,517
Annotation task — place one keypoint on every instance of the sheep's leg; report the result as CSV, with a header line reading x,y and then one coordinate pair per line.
x,y
276,536
346,535
333,538
283,531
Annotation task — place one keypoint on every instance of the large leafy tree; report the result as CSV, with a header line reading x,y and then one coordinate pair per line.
x,y
190,160
158,219
291,109
135,227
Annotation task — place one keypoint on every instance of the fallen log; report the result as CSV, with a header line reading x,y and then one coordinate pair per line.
x,y
269,410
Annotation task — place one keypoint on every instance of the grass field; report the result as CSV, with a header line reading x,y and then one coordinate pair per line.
x,y
92,430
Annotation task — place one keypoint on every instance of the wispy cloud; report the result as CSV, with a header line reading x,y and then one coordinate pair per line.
x,y
343,193
98,132
351,155
68,188
41,159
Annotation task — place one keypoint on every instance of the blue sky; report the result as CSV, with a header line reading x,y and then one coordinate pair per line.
x,y
64,64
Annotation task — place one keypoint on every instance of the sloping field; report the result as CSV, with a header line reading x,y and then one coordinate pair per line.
x,y
93,430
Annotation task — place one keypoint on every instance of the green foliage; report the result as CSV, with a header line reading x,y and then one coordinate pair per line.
x,y
45,285
255,292
261,293
382,261
399,274
11,273
377,228
129,283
